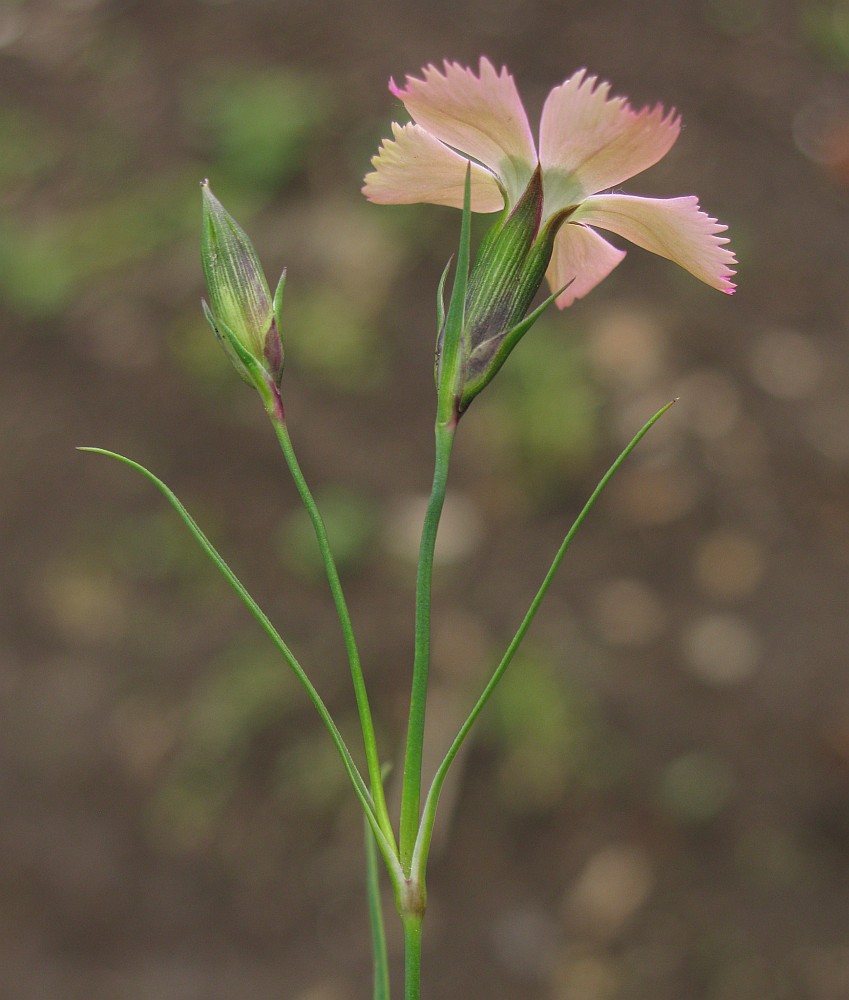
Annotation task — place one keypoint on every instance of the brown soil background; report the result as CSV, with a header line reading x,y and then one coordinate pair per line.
x,y
659,806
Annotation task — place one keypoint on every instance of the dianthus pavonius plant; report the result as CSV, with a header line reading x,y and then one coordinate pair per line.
x,y
469,145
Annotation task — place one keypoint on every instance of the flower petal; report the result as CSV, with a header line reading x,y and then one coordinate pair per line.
x,y
581,257
414,167
674,228
590,141
480,115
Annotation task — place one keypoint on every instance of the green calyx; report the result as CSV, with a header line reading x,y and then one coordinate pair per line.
x,y
241,311
490,350
501,284
507,274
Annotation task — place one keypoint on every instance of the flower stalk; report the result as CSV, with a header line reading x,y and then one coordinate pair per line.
x,y
360,693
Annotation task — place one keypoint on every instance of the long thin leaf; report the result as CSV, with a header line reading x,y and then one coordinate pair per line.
x,y
359,786
422,847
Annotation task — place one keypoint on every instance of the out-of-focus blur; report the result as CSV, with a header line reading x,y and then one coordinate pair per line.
x,y
656,806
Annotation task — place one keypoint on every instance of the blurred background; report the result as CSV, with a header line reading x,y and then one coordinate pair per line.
x,y
656,805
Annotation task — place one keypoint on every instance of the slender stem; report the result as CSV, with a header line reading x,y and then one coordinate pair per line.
x,y
360,693
422,847
412,956
380,959
411,790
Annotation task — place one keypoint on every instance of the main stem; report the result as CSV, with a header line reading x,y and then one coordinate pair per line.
x,y
412,957
411,791
360,693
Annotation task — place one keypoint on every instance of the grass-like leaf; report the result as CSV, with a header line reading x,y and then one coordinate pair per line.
x,y
357,782
422,847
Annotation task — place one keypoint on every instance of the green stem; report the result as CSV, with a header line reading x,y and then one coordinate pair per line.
x,y
360,693
422,847
411,790
412,956
380,958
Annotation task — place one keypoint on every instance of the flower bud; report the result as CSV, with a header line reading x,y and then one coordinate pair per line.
x,y
240,310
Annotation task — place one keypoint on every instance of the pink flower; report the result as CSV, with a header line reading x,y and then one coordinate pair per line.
x,y
588,142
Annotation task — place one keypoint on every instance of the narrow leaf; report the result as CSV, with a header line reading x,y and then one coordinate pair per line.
x,y
359,786
422,847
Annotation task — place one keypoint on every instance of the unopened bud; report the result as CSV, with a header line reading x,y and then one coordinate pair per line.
x,y
240,310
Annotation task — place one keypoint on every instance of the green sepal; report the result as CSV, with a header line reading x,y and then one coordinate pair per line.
x,y
277,303
440,320
227,340
508,271
449,381
498,333
511,338
251,370
273,353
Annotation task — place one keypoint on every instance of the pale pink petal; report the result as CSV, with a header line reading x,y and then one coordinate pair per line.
x,y
481,116
590,141
581,257
671,227
414,167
